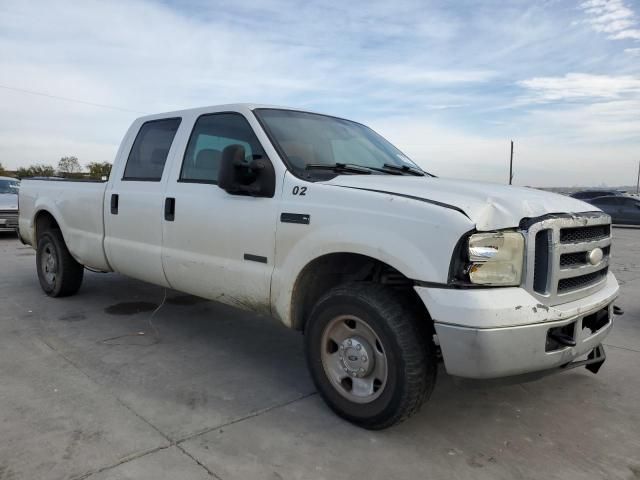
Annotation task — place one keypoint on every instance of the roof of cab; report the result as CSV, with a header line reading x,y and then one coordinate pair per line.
x,y
229,107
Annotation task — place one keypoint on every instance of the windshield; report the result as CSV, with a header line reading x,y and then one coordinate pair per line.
x,y
308,139
8,186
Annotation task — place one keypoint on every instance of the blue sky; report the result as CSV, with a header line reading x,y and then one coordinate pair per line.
x,y
450,83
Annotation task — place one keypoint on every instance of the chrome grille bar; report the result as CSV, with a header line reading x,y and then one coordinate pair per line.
x,y
550,281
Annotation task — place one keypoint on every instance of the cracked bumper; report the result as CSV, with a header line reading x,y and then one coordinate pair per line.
x,y
491,333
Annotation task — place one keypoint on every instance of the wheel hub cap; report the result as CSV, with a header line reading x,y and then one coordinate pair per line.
x,y
49,265
356,356
353,359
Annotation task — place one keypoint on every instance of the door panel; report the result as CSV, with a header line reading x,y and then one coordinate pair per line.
x,y
219,246
134,209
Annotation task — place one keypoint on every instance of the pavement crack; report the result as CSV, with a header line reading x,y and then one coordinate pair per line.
x,y
253,414
211,474
621,348
122,461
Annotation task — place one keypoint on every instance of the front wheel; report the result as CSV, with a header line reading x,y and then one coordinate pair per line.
x,y
58,272
367,355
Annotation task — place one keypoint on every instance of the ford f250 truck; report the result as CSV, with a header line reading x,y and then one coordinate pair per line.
x,y
322,223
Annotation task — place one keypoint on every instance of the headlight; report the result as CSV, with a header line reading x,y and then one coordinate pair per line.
x,y
496,258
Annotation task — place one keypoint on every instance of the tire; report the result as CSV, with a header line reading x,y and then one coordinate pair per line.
x,y
58,272
369,321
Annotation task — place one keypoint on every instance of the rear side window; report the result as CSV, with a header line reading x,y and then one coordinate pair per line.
x,y
211,134
150,150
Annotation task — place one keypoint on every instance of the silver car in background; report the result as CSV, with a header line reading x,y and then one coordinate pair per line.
x,y
8,204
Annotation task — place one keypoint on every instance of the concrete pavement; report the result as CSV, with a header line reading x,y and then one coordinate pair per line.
x,y
99,386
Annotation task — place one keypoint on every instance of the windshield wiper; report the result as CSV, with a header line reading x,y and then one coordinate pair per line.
x,y
404,169
339,168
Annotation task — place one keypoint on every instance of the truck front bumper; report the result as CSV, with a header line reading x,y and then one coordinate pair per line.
x,y
491,333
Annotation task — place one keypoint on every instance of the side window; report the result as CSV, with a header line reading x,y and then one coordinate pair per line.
x,y
150,149
211,134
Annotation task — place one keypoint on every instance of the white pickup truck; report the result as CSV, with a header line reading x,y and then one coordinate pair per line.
x,y
320,222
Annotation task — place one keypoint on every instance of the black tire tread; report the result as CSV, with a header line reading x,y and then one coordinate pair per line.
x,y
71,273
418,352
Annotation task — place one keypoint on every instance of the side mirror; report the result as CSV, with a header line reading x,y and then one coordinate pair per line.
x,y
238,176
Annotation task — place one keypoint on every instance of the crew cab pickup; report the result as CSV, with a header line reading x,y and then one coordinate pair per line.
x,y
322,223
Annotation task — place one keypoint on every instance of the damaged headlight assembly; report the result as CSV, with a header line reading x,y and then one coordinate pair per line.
x,y
493,259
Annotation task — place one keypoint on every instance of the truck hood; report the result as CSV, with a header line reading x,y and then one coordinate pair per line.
x,y
8,201
490,206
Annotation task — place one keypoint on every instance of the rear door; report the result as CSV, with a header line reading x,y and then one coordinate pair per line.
x,y
134,202
216,245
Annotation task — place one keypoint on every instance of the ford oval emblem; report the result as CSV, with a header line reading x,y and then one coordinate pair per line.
x,y
595,256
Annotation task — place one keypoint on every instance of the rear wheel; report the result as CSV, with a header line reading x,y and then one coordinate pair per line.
x,y
367,355
58,272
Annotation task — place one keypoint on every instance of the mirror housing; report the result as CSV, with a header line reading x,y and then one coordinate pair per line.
x,y
237,176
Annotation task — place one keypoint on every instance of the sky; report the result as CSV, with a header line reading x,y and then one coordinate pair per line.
x,y
448,82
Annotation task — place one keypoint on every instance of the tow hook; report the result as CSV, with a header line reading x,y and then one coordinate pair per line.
x,y
617,310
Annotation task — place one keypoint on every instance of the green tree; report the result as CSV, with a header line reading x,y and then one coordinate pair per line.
x,y
99,169
2,170
38,170
69,165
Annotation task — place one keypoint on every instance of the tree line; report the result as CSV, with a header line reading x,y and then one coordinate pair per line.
x,y
68,167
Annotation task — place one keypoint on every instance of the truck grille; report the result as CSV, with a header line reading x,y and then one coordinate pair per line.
x,y
584,234
578,258
573,283
558,265
10,217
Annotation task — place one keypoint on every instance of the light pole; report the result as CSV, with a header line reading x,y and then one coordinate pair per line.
x,y
511,165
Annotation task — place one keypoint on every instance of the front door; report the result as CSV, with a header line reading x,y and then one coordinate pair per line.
x,y
134,204
216,245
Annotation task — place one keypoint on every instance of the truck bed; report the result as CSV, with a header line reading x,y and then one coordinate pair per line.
x,y
76,206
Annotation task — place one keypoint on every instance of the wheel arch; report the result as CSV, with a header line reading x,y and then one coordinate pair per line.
x,y
43,220
329,270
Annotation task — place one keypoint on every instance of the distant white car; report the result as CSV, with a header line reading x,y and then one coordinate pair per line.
x,y
8,204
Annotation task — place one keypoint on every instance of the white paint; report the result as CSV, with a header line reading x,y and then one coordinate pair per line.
x,y
410,223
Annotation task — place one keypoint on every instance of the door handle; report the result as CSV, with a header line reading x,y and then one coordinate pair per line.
x,y
114,203
169,209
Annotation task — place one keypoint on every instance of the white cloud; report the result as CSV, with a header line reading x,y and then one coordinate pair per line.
x,y
420,75
613,17
583,109
627,34
580,86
